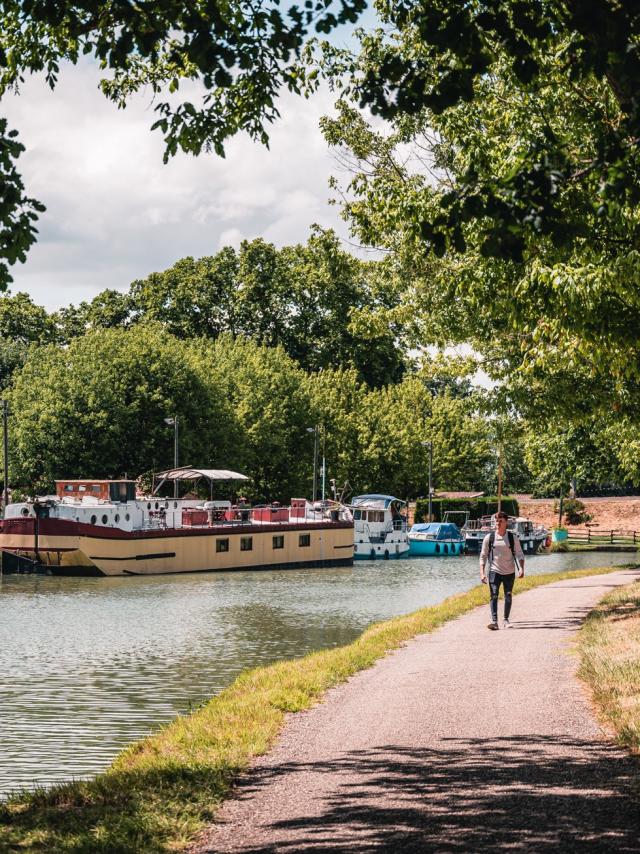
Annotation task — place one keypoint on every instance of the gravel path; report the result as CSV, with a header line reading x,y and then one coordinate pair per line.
x,y
464,740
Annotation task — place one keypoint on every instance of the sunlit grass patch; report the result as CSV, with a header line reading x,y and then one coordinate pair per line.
x,y
609,647
161,791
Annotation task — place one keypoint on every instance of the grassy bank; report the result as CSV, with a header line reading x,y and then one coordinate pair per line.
x,y
609,646
161,791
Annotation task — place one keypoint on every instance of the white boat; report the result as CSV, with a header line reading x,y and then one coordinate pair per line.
x,y
101,527
532,536
379,527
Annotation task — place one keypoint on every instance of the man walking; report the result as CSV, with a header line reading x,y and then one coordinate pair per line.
x,y
501,549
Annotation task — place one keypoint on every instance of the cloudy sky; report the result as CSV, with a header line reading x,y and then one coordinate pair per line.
x,y
116,213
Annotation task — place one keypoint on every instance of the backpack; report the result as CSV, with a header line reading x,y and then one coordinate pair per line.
x,y
512,545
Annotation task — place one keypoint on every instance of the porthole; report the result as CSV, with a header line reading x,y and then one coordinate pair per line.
x,y
437,548
157,505
149,506
175,505
94,519
105,518
446,549
166,504
126,517
25,511
116,518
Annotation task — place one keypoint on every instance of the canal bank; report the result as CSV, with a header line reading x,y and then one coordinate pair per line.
x,y
91,665
160,791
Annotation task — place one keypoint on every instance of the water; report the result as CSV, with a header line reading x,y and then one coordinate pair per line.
x,y
88,665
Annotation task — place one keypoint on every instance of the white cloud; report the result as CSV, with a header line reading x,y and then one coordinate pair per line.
x,y
116,213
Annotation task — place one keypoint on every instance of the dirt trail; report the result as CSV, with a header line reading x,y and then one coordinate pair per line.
x,y
464,740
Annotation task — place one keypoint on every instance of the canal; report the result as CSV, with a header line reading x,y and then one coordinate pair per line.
x,y
89,665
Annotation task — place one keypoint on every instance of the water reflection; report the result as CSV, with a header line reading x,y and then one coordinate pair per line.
x,y
89,665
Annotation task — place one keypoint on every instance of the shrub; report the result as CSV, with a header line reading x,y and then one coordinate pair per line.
x,y
574,511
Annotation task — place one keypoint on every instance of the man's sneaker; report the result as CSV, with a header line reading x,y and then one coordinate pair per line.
x,y
493,627
507,625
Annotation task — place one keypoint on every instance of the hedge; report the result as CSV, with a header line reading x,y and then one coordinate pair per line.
x,y
476,507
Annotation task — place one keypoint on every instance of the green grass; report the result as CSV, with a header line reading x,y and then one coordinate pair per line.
x,y
161,791
609,647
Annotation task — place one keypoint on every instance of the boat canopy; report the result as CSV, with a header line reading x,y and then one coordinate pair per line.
x,y
188,473
439,530
375,501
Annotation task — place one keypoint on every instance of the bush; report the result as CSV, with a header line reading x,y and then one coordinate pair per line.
x,y
476,507
574,511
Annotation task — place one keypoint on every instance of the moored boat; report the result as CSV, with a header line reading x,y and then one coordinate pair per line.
x,y
532,536
435,538
379,527
100,527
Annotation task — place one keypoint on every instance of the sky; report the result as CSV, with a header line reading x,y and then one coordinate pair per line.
x,y
116,213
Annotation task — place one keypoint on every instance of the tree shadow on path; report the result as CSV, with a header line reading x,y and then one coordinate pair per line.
x,y
530,793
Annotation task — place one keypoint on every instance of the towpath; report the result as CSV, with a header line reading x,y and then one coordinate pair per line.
x,y
465,740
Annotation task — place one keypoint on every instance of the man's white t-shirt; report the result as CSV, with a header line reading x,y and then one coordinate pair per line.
x,y
502,557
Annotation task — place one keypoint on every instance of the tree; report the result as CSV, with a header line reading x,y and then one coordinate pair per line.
x,y
434,57
192,298
314,300
266,391
24,322
557,325
97,408
560,454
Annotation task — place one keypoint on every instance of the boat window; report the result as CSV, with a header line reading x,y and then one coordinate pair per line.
x,y
246,544
68,487
116,518
175,505
126,517
95,487
25,511
148,505
82,488
356,515
94,519
278,541
304,540
105,518
222,545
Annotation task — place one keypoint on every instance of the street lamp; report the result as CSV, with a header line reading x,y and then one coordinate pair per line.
x,y
429,444
314,430
5,443
174,421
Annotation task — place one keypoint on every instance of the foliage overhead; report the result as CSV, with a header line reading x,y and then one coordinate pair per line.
x,y
242,54
440,57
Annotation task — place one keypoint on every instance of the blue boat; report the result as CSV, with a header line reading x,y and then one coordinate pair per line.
x,y
435,539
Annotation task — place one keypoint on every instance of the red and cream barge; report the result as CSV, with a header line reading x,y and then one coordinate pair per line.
x,y
100,527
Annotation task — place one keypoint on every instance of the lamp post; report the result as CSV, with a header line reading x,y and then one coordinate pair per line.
x,y
314,430
5,442
429,445
176,429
